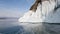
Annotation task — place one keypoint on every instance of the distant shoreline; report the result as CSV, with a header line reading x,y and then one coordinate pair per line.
x,y
8,18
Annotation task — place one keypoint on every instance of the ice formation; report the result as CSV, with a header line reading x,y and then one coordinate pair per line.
x,y
42,13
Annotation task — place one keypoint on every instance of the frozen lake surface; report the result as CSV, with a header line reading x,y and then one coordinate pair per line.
x,y
12,26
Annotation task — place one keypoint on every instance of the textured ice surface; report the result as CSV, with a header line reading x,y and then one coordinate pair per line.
x,y
44,13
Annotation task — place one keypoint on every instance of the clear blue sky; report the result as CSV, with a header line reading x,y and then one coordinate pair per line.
x,y
14,8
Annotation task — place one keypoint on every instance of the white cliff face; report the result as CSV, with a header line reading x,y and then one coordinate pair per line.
x,y
44,13
52,17
47,10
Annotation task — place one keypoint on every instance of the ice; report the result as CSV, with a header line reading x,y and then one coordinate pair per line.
x,y
42,14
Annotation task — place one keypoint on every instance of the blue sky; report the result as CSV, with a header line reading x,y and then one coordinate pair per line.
x,y
14,8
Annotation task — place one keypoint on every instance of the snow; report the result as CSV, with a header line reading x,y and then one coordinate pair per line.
x,y
44,13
